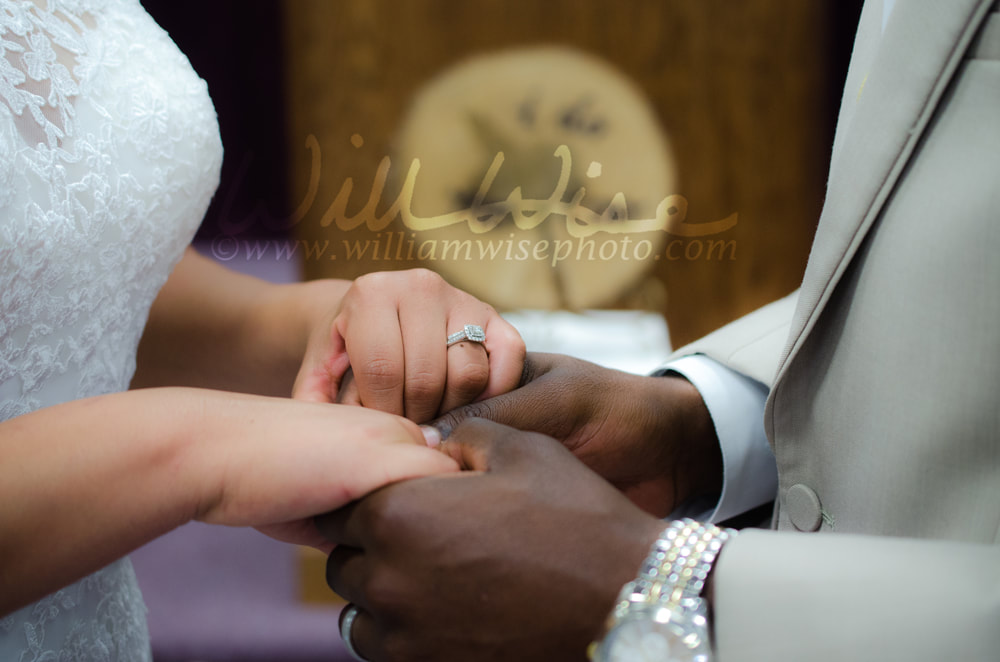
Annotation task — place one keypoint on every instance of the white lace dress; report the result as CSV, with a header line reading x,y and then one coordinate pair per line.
x,y
109,155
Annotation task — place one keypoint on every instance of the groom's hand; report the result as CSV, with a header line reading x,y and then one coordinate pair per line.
x,y
520,557
651,437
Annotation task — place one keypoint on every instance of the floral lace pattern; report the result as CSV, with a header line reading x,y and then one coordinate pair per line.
x,y
109,155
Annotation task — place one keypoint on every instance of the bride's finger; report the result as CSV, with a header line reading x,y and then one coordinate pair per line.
x,y
506,352
468,374
375,348
422,326
347,393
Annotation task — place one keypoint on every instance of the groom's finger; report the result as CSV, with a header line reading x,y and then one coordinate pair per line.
x,y
533,406
342,526
346,572
364,636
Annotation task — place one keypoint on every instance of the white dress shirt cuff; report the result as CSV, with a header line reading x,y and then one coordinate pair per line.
x,y
736,404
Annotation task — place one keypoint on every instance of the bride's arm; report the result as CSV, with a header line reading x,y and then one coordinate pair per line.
x,y
214,328
85,482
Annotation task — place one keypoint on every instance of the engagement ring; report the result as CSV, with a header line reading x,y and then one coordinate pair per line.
x,y
471,332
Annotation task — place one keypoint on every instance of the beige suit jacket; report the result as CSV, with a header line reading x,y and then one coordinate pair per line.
x,y
884,410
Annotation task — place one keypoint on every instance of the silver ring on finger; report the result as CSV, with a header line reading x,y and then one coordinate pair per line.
x,y
351,612
471,332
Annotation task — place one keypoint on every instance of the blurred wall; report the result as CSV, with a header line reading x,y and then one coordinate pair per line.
x,y
747,92
236,46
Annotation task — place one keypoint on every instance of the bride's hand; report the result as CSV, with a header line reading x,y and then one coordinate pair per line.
x,y
390,331
273,463
87,481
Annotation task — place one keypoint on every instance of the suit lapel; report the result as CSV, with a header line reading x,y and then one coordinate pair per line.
x,y
884,111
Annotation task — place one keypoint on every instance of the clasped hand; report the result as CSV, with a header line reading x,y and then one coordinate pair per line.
x,y
287,461
394,325
520,556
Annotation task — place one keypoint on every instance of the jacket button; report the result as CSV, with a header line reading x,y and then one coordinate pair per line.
x,y
803,507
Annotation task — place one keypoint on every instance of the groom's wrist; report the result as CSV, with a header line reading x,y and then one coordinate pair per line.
x,y
685,426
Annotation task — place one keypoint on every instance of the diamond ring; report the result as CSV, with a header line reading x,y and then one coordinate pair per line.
x,y
471,332
350,615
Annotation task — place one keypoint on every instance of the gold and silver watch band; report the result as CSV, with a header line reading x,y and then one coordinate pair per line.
x,y
677,565
660,614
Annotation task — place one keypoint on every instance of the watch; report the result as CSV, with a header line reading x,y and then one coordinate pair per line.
x,y
660,615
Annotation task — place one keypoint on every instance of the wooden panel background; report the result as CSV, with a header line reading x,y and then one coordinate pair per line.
x,y
744,90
